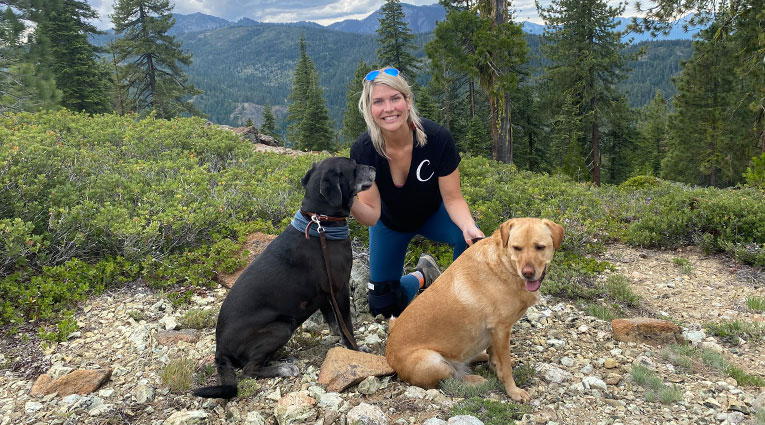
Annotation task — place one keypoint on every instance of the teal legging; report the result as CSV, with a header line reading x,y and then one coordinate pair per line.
x,y
387,249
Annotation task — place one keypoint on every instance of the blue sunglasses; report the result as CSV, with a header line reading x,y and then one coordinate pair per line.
x,y
373,74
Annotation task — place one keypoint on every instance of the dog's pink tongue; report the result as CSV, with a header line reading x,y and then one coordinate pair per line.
x,y
533,285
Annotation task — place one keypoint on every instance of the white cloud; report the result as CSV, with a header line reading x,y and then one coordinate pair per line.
x,y
323,12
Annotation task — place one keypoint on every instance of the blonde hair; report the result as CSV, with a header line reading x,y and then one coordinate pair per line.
x,y
399,84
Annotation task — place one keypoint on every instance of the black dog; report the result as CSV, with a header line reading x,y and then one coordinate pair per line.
x,y
288,282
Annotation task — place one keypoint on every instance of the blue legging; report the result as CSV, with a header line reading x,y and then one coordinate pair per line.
x,y
387,248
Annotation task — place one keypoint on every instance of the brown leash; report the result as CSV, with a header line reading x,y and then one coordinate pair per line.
x,y
332,300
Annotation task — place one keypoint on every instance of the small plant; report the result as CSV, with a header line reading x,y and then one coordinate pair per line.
x,y
683,264
683,355
136,315
204,374
63,328
523,375
490,412
733,330
655,388
600,311
618,287
247,387
177,375
458,388
756,303
198,318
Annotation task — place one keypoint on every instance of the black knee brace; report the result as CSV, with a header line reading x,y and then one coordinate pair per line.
x,y
387,298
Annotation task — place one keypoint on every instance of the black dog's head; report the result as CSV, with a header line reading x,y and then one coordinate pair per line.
x,y
331,184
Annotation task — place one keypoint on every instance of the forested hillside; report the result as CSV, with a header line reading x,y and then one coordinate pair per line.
x,y
254,64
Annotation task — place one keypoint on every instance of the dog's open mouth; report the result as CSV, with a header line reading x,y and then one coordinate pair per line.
x,y
533,285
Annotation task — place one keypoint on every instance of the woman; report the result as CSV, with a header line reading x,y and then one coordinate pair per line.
x,y
416,190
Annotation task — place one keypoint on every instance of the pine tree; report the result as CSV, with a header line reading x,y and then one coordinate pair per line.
x,y
353,121
396,40
583,47
301,90
26,83
710,139
653,141
269,122
84,81
308,124
482,43
153,59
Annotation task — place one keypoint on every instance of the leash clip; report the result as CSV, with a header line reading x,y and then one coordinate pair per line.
x,y
317,219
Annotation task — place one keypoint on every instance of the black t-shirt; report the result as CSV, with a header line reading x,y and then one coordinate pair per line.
x,y
406,209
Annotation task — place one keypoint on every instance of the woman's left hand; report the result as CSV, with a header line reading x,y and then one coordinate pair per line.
x,y
471,232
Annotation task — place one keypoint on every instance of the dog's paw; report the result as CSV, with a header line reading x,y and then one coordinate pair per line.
x,y
518,394
288,369
364,349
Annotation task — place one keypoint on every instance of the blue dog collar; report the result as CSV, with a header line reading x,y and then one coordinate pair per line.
x,y
300,222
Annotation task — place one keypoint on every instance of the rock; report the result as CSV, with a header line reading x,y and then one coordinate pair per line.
x,y
254,418
758,404
552,373
464,420
613,379
343,367
415,393
187,417
32,406
81,381
366,414
646,330
169,322
694,337
369,385
42,382
594,382
173,337
294,408
434,421
610,363
144,393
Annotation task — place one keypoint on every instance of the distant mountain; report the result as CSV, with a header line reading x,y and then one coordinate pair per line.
x,y
676,33
420,19
196,22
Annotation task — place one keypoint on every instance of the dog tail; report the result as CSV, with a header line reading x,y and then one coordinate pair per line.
x,y
227,379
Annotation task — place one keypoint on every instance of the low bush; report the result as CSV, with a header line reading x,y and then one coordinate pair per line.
x,y
92,202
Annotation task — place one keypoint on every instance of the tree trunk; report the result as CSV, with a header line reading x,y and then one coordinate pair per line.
x,y
501,129
595,154
471,87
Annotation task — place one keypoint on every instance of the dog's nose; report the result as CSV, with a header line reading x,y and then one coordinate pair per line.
x,y
528,272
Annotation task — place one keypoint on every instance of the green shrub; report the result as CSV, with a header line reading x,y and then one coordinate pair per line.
x,y
755,173
490,412
640,182
682,356
655,388
618,287
178,374
198,318
731,331
756,303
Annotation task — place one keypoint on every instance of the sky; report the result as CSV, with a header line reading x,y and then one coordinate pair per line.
x,y
323,12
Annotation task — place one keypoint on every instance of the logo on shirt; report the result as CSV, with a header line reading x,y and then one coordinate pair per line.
x,y
419,169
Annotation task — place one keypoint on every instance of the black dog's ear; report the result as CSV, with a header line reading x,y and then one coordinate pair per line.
x,y
330,188
307,176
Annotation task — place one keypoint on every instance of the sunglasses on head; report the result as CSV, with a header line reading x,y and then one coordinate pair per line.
x,y
373,74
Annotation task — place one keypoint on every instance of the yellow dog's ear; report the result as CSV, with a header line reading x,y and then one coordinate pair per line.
x,y
504,231
556,230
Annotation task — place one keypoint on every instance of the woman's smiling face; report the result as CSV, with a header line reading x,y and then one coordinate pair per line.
x,y
390,108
